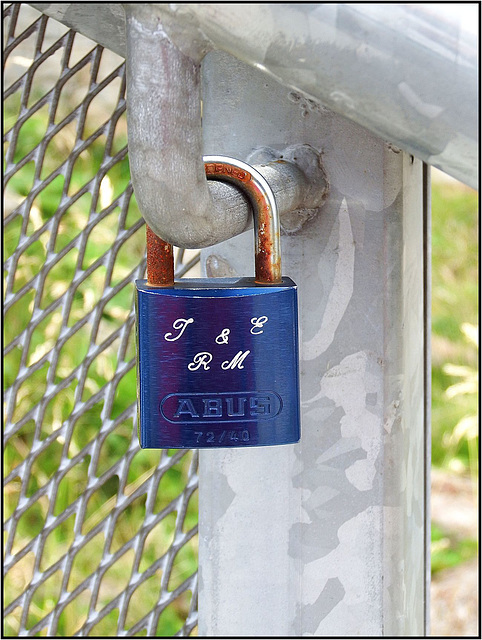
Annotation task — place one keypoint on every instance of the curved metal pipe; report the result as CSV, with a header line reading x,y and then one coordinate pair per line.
x,y
165,148
165,143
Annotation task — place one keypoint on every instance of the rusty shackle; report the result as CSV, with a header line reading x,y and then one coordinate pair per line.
x,y
160,258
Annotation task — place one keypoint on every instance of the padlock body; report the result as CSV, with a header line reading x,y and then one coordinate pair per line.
x,y
217,364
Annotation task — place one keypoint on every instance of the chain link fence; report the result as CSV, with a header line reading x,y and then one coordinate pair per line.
x,y
101,536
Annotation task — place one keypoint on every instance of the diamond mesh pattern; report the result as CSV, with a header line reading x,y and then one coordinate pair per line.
x,y
101,537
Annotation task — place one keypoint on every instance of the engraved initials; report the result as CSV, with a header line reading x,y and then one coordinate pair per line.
x,y
257,324
179,325
237,361
201,359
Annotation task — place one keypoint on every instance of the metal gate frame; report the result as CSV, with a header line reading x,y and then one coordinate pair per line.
x,y
332,533
364,319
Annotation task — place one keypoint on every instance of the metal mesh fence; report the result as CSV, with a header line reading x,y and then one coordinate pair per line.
x,y
101,537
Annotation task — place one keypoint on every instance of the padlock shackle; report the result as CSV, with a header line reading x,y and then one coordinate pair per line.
x,y
160,261
266,216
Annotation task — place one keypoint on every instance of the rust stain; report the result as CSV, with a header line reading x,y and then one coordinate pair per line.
x,y
267,264
223,169
160,260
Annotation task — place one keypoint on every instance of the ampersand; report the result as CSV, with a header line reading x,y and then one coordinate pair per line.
x,y
257,324
223,338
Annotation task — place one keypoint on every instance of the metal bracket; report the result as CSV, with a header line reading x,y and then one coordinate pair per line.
x,y
166,151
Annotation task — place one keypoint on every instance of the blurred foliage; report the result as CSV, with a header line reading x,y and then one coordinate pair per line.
x,y
466,431
455,419
449,550
454,327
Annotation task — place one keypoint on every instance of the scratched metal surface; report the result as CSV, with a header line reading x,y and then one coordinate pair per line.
x,y
332,531
70,270
404,71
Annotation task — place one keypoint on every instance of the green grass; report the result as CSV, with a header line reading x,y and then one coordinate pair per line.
x,y
454,303
448,550
455,420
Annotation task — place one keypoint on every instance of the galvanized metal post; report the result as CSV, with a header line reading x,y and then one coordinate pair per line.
x,y
326,537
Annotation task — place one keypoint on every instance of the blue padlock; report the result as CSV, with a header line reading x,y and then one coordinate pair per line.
x,y
218,361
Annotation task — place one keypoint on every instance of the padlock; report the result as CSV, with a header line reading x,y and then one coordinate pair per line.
x,y
217,358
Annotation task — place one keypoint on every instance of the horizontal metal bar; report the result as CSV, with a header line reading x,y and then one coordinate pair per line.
x,y
406,72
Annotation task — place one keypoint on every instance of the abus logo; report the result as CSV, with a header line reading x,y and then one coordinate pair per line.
x,y
195,408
